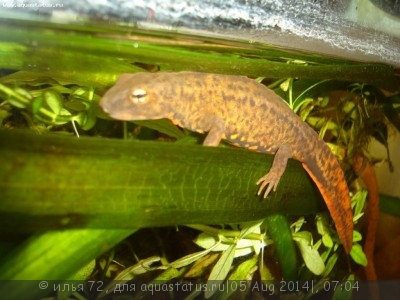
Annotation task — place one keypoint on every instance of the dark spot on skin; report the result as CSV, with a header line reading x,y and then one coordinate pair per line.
x,y
229,97
223,95
239,87
252,102
263,106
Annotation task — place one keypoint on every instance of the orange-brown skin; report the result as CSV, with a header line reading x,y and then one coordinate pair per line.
x,y
244,112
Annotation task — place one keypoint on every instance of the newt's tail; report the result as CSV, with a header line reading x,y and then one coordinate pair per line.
x,y
327,174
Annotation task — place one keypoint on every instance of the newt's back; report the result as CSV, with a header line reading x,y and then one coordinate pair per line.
x,y
255,116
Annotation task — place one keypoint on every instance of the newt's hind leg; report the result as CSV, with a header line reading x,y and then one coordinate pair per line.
x,y
271,179
217,128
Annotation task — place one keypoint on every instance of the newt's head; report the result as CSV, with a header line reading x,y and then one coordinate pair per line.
x,y
139,96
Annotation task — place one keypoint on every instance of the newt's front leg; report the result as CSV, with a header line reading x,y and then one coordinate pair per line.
x,y
278,167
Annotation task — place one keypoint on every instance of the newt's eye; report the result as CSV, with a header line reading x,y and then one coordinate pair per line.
x,y
138,96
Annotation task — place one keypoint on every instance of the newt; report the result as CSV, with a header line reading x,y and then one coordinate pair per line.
x,y
245,113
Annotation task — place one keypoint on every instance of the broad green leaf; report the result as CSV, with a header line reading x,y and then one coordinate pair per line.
x,y
67,250
78,278
176,184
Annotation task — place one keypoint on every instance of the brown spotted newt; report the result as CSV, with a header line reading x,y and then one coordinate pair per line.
x,y
247,114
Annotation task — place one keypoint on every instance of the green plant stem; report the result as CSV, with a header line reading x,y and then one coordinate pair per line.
x,y
279,228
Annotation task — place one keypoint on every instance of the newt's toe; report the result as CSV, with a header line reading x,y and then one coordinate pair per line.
x,y
266,181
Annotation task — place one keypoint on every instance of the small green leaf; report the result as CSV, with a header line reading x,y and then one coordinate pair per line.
x,y
245,270
265,272
323,101
307,105
322,224
86,119
286,84
357,236
223,265
142,267
37,104
220,270
244,273
359,202
311,257
296,226
244,240
48,109
53,101
344,292
358,255
327,241
169,274
201,266
17,97
80,92
330,264
188,259
324,230
206,241
303,235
